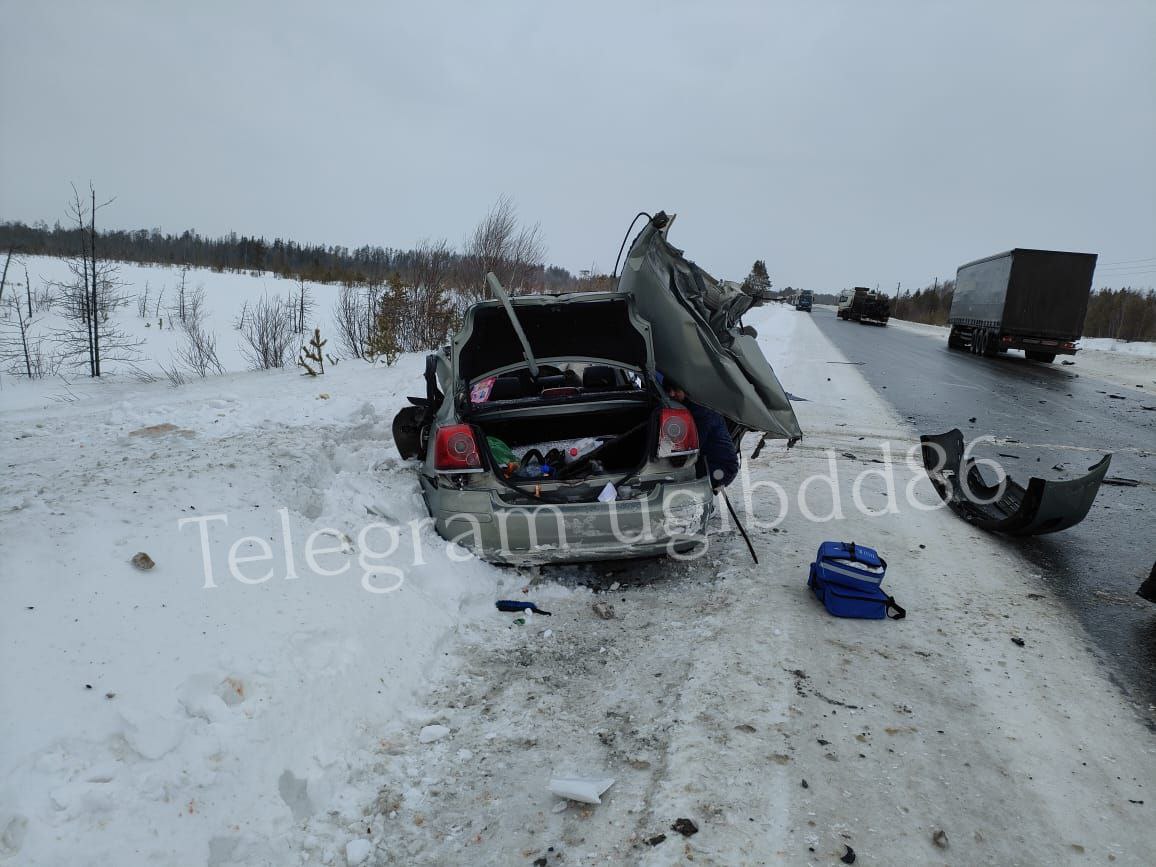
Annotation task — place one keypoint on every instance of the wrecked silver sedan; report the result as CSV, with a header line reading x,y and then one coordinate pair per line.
x,y
545,435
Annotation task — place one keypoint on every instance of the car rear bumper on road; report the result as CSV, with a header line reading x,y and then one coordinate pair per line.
x,y
670,518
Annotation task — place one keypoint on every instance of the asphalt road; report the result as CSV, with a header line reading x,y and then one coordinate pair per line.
x,y
1057,417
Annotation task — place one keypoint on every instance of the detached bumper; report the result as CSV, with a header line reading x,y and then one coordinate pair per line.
x,y
1041,507
671,518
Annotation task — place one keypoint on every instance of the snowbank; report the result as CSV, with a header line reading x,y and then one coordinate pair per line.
x,y
189,715
1142,348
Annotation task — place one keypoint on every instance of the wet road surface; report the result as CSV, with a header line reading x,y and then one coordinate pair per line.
x,y
1044,415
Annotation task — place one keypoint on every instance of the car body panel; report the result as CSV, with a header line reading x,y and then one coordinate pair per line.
x,y
670,517
697,337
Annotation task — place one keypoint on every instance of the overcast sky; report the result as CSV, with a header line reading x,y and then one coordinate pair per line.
x,y
844,143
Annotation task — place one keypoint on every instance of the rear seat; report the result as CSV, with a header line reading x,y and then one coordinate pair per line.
x,y
598,377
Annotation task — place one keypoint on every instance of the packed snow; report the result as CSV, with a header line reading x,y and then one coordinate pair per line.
x,y
309,675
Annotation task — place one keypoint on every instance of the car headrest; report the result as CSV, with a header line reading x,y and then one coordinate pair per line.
x,y
508,388
598,376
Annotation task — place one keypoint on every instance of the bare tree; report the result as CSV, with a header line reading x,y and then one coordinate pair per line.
x,y
15,349
267,334
28,290
180,309
142,302
198,351
499,245
90,336
4,276
433,313
350,319
302,306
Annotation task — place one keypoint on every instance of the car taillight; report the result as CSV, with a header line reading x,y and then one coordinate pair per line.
x,y
456,450
677,434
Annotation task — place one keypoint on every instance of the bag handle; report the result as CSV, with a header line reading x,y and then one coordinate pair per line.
x,y
900,611
852,554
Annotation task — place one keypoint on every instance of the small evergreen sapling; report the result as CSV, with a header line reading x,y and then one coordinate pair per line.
x,y
312,353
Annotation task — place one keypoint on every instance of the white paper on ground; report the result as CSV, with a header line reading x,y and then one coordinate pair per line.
x,y
584,789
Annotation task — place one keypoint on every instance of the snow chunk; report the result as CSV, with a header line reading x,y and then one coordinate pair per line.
x,y
429,734
356,851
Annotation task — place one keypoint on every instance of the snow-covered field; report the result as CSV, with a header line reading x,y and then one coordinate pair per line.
x,y
159,333
184,716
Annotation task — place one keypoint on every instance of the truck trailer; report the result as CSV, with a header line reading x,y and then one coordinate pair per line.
x,y
1033,300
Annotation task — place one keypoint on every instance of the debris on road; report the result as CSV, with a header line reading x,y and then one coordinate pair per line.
x,y
142,561
585,790
1120,481
939,838
516,606
686,827
603,610
848,856
1008,507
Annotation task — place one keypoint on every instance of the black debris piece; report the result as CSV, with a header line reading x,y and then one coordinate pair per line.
x,y
655,840
685,827
1017,641
1120,481
1040,507
848,856
806,785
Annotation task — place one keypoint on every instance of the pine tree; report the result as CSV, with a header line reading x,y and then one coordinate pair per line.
x,y
758,282
312,353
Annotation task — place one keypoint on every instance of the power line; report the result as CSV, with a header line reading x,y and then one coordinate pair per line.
x,y
1133,270
1126,262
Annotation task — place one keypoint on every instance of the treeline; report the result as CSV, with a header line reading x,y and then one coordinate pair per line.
x,y
317,263
929,305
1123,314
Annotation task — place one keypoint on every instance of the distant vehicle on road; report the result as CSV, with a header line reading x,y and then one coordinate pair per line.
x,y
804,300
1034,300
864,305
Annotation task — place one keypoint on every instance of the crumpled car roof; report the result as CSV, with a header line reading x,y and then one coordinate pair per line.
x,y
695,330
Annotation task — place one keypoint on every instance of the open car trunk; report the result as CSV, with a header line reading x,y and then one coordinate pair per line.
x,y
542,432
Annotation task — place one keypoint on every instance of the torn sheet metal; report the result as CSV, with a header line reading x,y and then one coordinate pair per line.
x,y
1042,507
698,341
